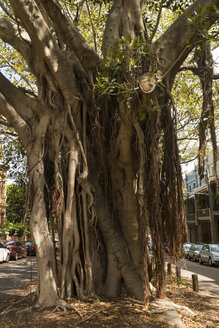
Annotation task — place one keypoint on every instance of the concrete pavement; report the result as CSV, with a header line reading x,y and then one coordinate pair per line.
x,y
208,277
16,277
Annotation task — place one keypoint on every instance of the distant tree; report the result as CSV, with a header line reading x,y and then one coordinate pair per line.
x,y
16,200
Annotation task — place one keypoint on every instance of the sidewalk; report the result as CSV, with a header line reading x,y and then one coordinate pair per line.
x,y
205,283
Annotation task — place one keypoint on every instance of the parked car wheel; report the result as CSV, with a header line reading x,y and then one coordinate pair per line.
x,y
16,256
7,258
210,262
200,260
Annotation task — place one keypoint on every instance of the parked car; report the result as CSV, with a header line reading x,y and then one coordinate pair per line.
x,y
194,251
30,248
209,254
185,250
4,253
16,249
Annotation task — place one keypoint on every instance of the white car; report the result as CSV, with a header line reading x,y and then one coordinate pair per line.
x,y
4,253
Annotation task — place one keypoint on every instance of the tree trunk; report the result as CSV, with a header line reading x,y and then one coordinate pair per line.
x,y
47,288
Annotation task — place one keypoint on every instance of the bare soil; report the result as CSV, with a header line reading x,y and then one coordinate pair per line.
x,y
120,313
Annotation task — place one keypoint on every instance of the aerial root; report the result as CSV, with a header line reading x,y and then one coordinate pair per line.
x,y
63,305
10,308
58,304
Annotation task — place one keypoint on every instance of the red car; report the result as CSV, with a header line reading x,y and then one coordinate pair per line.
x,y
16,249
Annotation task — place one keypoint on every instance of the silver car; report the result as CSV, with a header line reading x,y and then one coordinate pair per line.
x,y
185,249
209,254
194,251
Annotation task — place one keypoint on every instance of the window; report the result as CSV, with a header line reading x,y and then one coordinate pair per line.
x,y
10,243
215,249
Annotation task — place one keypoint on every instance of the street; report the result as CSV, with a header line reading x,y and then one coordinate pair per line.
x,y
16,275
208,276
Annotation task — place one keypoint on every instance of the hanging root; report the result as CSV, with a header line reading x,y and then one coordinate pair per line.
x,y
11,307
63,305
21,312
173,207
207,117
59,305
153,195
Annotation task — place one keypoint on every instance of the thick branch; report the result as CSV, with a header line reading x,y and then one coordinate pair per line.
x,y
19,109
131,19
175,44
70,35
9,34
46,49
14,119
22,103
111,32
124,19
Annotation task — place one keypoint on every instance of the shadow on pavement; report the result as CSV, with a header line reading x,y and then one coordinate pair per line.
x,y
17,277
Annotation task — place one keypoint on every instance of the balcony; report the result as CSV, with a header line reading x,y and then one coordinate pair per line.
x,y
205,213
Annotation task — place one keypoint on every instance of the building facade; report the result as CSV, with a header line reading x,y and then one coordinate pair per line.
x,y
202,205
3,198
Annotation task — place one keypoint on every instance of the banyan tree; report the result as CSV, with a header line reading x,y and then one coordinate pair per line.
x,y
99,130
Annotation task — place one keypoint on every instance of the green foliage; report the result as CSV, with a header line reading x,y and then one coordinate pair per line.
x,y
92,22
15,68
169,4
97,302
122,68
16,200
199,24
15,229
188,101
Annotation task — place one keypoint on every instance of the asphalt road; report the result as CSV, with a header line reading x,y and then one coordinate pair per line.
x,y
208,277
16,276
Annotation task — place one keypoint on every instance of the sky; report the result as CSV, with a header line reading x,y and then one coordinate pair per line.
x,y
216,60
